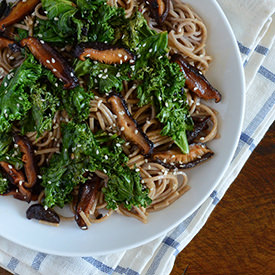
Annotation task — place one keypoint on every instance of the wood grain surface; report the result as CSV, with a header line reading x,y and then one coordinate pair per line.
x,y
239,236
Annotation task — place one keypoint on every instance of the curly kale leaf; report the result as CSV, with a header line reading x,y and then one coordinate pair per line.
x,y
81,152
40,117
14,93
8,152
81,21
4,185
103,76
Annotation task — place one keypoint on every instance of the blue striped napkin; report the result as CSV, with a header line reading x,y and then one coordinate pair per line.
x,y
252,23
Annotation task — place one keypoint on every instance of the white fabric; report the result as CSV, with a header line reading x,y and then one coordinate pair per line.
x,y
253,22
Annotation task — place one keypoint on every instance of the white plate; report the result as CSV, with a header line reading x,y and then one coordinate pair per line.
x,y
117,233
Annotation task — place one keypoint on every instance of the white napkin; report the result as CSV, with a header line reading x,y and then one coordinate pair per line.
x,y
254,28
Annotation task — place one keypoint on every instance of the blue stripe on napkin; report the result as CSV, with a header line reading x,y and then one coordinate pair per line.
x,y
12,264
243,49
261,50
39,258
267,74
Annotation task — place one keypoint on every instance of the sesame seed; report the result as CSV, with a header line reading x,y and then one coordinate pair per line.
x,y
136,131
106,157
118,74
202,138
118,145
142,181
42,42
56,84
166,104
122,129
40,35
56,19
150,50
97,152
144,45
48,61
20,182
196,88
5,84
72,74
120,55
53,60
105,171
54,70
146,160
198,104
39,176
49,182
10,167
125,57
7,157
100,75
46,207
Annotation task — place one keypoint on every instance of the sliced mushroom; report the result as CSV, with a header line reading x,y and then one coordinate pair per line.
x,y
195,80
16,178
86,198
18,12
50,59
104,53
128,126
38,212
200,124
28,159
175,159
159,9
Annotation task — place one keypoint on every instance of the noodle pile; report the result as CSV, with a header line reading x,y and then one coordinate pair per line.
x,y
187,35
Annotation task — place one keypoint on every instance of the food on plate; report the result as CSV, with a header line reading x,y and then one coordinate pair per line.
x,y
102,106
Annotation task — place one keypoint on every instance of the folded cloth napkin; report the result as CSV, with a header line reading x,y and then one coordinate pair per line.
x,y
254,28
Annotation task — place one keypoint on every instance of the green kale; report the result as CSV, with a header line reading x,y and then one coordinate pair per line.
x,y
60,14
40,117
14,93
81,152
81,21
3,185
76,102
8,152
104,77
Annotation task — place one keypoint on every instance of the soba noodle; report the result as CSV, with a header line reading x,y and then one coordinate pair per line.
x,y
187,35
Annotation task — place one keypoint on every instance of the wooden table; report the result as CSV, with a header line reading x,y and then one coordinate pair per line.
x,y
238,238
